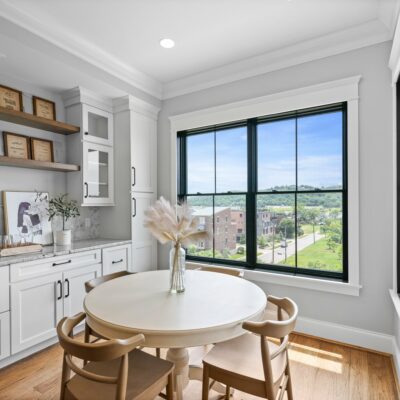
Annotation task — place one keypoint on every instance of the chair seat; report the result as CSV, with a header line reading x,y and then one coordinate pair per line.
x,y
144,370
242,357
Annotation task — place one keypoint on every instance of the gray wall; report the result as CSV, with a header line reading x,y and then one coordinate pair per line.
x,y
372,310
23,179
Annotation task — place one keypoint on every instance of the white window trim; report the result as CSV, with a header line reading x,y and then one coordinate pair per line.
x,y
311,96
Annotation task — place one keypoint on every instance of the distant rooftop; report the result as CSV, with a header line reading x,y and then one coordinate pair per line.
x,y
207,211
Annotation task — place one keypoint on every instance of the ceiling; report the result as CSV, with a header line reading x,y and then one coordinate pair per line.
x,y
216,40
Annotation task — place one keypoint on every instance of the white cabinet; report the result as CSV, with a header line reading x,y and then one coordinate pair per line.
x,y
74,287
5,335
4,289
92,149
97,125
97,169
144,153
44,291
116,259
36,307
144,245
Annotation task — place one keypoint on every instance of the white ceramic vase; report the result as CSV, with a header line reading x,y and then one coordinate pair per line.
x,y
62,238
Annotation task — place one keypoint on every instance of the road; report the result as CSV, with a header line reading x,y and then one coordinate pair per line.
x,y
302,243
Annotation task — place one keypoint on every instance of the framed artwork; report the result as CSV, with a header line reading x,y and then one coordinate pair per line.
x,y
25,215
42,150
10,98
16,145
44,108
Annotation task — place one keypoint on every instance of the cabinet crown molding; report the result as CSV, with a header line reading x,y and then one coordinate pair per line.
x,y
79,95
131,103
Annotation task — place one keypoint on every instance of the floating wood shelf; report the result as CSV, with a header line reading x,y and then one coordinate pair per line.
x,y
33,164
22,118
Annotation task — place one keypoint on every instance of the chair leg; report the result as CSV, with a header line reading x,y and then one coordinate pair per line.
x,y
227,393
170,387
206,383
87,333
158,352
289,388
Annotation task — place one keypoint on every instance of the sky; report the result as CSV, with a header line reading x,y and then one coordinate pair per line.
x,y
319,155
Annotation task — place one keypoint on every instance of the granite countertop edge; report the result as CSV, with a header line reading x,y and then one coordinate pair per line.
x,y
54,251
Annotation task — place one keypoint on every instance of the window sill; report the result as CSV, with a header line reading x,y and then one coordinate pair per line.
x,y
396,301
324,285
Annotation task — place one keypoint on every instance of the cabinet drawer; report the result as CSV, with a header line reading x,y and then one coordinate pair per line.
x,y
4,289
5,345
116,259
37,268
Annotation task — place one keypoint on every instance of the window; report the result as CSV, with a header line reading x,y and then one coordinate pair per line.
x,y
285,176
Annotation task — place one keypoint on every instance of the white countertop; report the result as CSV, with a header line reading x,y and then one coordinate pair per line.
x,y
51,251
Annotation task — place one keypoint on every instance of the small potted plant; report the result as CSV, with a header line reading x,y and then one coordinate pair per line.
x,y
61,206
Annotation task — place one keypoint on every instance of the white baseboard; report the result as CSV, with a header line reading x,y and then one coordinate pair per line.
x,y
346,334
396,358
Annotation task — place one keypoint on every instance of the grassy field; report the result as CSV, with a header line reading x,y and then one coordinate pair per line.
x,y
307,229
317,256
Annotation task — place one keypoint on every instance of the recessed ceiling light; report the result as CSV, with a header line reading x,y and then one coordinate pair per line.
x,y
167,43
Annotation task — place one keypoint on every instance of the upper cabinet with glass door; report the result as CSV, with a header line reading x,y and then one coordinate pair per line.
x,y
97,125
98,188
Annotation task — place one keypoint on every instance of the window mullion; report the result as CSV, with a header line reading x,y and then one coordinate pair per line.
x,y
251,206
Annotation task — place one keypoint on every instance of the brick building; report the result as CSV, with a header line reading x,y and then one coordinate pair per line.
x,y
225,229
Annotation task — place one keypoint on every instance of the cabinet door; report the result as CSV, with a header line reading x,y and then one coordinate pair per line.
x,y
4,335
74,287
98,179
36,307
144,246
97,125
144,154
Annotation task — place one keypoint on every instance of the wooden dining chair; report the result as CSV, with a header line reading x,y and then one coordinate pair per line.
x,y
223,270
251,363
89,286
197,354
116,368
211,268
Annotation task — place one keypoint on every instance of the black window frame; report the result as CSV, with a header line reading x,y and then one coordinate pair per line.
x,y
251,194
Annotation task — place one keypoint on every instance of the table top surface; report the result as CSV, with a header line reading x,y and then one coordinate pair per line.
x,y
142,302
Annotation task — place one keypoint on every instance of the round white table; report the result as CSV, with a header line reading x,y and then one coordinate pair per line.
x,y
211,310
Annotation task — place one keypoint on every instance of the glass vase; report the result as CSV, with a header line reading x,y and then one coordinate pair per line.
x,y
177,257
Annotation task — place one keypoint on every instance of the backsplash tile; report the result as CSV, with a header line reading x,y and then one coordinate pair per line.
x,y
78,225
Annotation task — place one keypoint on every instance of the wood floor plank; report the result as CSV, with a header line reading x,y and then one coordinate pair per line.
x,y
320,371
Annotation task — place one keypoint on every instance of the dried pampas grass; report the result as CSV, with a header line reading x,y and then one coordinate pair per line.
x,y
173,224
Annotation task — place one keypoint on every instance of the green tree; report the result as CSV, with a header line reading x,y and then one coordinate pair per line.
x,y
310,215
242,239
286,228
262,241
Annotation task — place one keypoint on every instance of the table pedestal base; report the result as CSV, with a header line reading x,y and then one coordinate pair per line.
x,y
180,357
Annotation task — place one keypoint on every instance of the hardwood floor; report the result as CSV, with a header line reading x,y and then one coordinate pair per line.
x,y
321,371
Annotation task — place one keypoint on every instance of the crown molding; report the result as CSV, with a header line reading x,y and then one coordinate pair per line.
x,y
78,95
131,103
72,44
367,34
394,60
370,33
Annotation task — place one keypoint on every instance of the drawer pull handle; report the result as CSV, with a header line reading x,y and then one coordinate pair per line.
x,y
67,280
117,262
62,263
59,285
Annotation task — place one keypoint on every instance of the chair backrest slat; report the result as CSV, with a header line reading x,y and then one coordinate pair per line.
x,y
90,285
227,271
